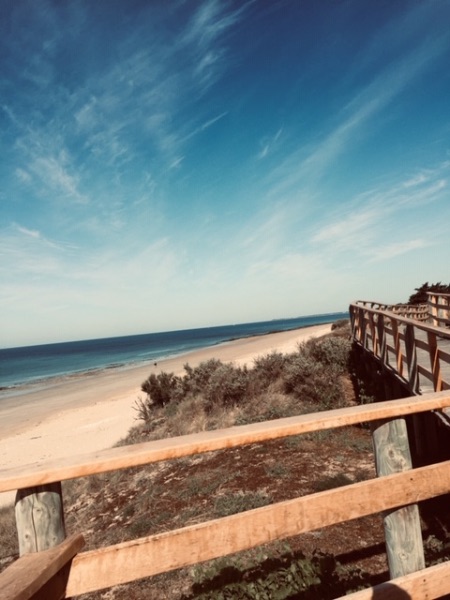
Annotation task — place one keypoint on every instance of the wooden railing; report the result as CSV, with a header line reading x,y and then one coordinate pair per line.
x,y
439,309
416,352
436,311
419,312
64,571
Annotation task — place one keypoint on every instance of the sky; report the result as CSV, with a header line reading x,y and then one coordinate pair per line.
x,y
170,165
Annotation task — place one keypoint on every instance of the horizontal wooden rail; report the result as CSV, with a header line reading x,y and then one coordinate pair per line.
x,y
416,352
164,552
419,312
418,324
40,575
207,441
430,583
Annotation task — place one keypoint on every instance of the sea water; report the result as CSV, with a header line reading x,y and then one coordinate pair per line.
x,y
38,364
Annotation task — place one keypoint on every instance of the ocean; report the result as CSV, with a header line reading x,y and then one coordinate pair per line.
x,y
39,364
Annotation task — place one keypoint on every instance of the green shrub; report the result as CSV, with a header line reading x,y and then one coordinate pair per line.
x,y
313,382
227,386
332,352
267,369
340,324
162,388
310,375
196,379
299,370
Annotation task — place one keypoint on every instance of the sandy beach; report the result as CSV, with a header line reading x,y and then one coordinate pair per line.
x,y
92,412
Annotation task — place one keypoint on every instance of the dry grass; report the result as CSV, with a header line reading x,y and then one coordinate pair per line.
x,y
8,537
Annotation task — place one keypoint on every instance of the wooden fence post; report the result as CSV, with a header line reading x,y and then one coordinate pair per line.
x,y
434,361
402,531
432,308
362,328
397,346
39,518
382,340
411,358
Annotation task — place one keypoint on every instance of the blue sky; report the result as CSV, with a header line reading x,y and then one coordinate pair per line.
x,y
168,165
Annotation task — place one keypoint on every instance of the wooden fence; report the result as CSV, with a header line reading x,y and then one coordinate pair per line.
x,y
419,312
439,309
436,311
416,352
63,570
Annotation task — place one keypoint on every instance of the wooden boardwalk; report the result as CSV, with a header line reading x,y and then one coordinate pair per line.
x,y
415,351
412,344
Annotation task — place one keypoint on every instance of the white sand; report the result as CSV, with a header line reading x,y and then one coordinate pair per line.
x,y
92,412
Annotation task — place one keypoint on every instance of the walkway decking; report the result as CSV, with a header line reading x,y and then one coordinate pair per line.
x,y
414,351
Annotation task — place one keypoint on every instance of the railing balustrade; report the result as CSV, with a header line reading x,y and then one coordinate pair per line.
x,y
135,559
417,352
439,309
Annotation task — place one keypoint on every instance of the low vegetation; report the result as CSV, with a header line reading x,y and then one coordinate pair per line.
x,y
215,395
123,505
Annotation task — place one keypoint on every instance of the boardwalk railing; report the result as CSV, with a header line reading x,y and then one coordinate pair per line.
x,y
416,352
436,311
64,571
419,312
439,309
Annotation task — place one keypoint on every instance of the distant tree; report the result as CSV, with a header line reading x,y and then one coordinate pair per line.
x,y
420,295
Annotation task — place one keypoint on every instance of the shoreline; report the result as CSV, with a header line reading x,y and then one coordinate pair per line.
x,y
93,412
40,383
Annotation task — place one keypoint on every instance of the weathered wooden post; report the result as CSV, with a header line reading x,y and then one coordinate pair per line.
x,y
402,531
434,361
397,346
381,334
414,387
411,358
39,518
432,308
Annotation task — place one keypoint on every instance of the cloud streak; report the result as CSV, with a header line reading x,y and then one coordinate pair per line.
x,y
174,162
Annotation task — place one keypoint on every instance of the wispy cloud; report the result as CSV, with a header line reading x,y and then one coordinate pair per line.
x,y
364,223
30,232
54,173
355,119
389,251
369,102
23,175
267,144
207,124
146,92
203,34
176,163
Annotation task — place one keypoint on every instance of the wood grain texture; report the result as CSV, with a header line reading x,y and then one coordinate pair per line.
x,y
39,518
36,574
404,547
166,449
191,545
